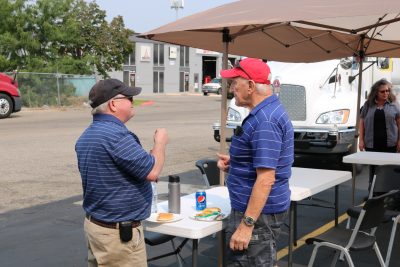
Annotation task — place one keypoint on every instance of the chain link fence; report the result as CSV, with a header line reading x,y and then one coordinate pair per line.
x,y
53,89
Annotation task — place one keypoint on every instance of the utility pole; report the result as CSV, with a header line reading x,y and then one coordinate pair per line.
x,y
177,4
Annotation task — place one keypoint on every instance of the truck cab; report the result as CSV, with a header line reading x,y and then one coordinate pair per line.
x,y
321,100
10,98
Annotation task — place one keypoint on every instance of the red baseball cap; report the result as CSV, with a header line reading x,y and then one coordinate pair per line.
x,y
250,69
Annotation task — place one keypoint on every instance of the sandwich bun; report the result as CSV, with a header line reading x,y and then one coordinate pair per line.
x,y
165,216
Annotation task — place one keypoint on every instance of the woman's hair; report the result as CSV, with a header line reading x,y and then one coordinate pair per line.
x,y
375,90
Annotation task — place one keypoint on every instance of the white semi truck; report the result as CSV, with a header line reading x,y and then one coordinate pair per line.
x,y
321,100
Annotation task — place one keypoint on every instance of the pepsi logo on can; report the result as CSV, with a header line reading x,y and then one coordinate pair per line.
x,y
201,200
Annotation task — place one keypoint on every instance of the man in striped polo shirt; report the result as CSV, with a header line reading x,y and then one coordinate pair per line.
x,y
258,166
116,173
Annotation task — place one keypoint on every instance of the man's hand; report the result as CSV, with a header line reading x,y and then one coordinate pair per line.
x,y
361,145
161,136
241,237
158,151
223,162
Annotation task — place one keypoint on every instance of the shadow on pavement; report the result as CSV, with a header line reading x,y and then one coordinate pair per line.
x,y
52,234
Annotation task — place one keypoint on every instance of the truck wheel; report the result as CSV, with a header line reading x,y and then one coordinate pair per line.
x,y
6,106
219,91
204,93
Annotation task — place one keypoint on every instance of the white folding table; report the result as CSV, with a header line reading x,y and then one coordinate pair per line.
x,y
189,228
370,158
373,158
304,183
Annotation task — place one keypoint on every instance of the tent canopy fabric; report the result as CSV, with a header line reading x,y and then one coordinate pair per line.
x,y
292,30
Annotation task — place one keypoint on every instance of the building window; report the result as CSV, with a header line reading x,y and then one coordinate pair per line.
x,y
130,59
181,56
158,82
155,55
161,82
158,55
184,56
161,55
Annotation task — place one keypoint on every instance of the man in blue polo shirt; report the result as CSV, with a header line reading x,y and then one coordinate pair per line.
x,y
116,173
259,166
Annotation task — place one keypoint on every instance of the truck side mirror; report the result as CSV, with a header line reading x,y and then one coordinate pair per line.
x,y
332,79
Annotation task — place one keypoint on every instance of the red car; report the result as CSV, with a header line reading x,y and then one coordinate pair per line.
x,y
10,99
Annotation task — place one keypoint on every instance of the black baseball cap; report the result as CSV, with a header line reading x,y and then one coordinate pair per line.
x,y
104,90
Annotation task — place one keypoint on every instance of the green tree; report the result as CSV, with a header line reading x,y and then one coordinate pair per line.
x,y
103,45
68,36
15,39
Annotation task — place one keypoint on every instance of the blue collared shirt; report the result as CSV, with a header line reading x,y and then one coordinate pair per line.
x,y
266,142
114,167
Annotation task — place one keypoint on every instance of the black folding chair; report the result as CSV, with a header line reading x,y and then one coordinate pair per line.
x,y
362,237
154,239
209,171
386,178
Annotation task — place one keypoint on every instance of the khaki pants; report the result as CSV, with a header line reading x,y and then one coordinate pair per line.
x,y
106,249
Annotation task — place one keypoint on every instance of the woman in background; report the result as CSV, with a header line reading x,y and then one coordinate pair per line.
x,y
380,120
380,124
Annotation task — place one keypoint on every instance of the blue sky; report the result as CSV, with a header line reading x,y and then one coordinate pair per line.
x,y
145,15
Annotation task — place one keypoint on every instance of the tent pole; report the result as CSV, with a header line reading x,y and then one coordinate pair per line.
x,y
222,148
360,74
355,143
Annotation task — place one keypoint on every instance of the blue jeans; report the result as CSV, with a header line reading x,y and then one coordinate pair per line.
x,y
262,247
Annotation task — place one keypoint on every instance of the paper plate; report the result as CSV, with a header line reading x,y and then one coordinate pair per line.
x,y
153,218
220,217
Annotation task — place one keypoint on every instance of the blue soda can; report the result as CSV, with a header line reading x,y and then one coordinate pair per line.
x,y
201,200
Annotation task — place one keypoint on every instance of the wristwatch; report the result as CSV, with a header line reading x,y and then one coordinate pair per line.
x,y
249,221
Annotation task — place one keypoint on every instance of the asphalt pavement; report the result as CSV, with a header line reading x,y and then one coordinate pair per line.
x,y
52,234
41,218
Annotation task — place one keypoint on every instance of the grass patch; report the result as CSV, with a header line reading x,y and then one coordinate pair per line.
x,y
138,102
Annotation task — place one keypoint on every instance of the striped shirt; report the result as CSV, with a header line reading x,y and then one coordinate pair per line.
x,y
114,167
265,142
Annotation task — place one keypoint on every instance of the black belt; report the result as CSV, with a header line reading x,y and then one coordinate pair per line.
x,y
109,224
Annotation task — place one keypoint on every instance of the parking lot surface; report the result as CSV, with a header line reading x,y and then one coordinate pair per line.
x,y
38,161
41,218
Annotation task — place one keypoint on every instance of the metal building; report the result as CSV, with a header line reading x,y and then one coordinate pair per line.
x,y
166,68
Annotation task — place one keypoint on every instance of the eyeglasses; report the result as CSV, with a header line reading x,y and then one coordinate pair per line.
x,y
130,98
384,91
237,65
